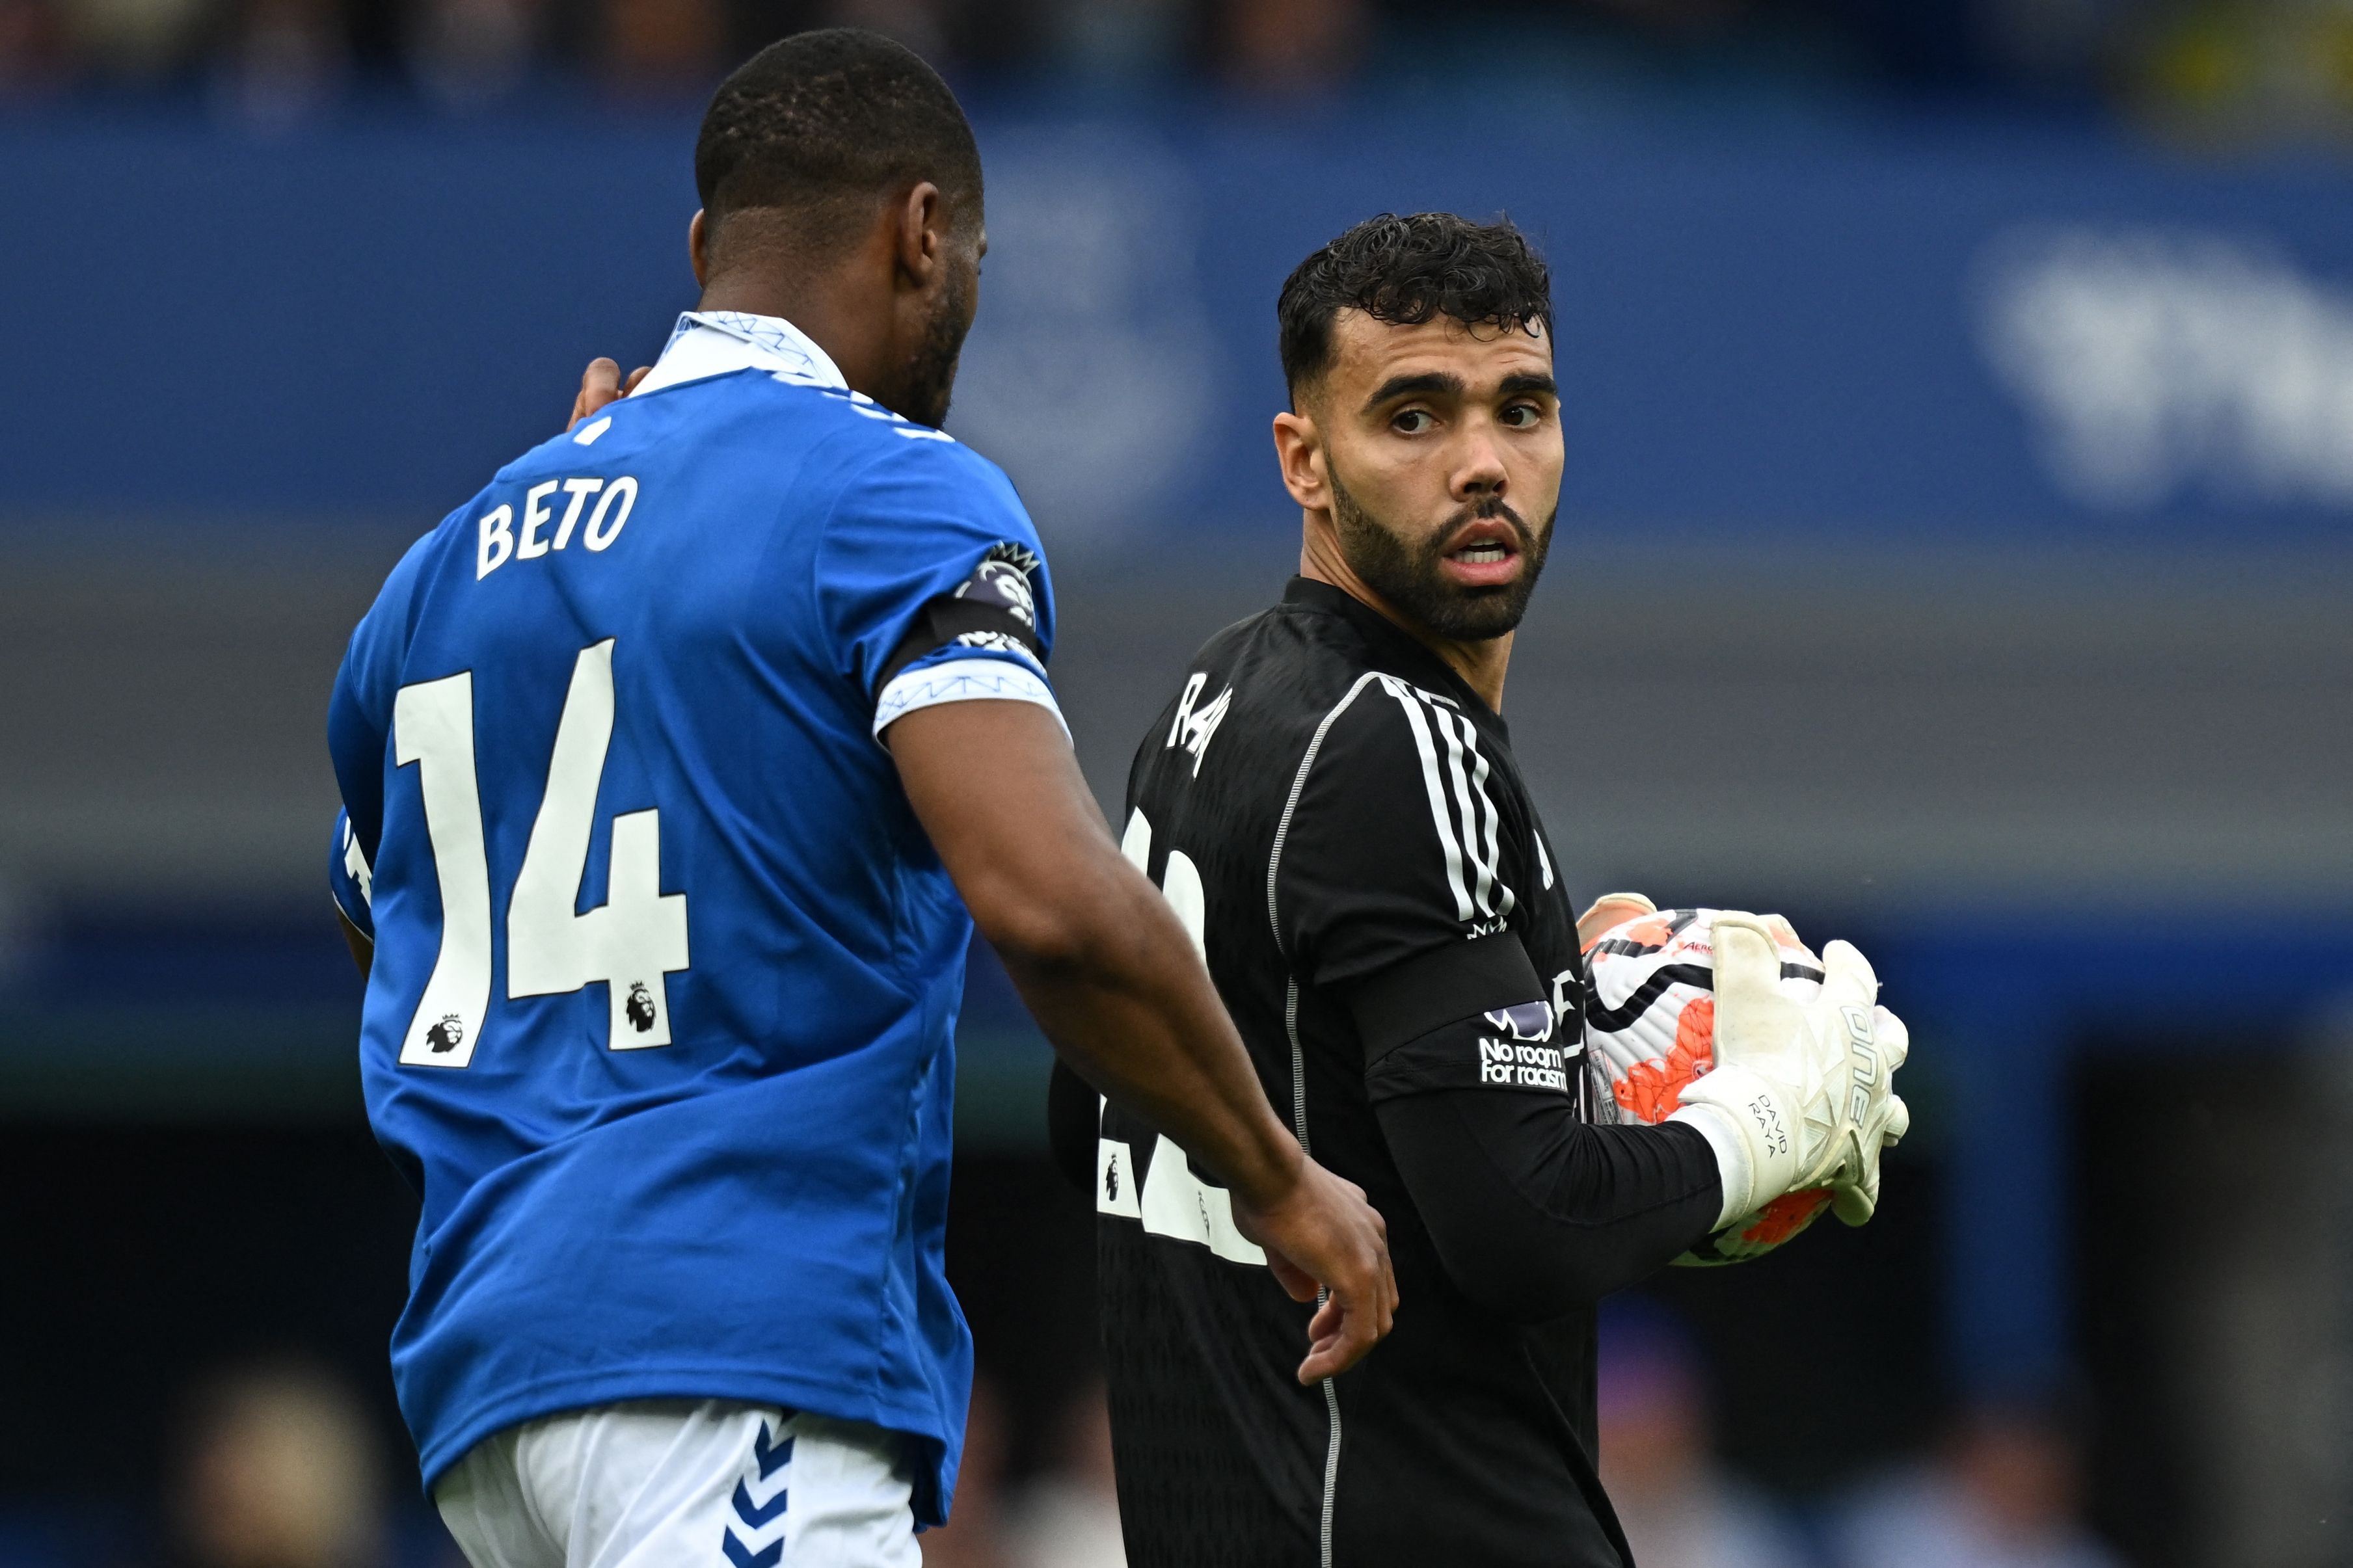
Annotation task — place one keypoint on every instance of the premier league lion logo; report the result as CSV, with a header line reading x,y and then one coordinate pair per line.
x,y
640,1007
446,1036
1002,579
1004,586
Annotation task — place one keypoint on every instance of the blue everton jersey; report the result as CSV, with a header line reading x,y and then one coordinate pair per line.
x,y
661,1018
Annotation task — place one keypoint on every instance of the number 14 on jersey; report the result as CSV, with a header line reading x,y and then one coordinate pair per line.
x,y
630,941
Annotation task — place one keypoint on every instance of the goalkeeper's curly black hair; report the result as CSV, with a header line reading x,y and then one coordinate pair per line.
x,y
820,126
1406,271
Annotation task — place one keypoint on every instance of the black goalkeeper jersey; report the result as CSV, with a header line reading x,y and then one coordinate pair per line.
x,y
1338,820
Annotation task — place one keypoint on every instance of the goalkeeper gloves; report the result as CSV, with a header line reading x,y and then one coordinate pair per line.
x,y
1881,1118
1799,1095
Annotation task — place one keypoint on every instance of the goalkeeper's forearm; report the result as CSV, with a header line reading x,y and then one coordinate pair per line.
x,y
1535,1211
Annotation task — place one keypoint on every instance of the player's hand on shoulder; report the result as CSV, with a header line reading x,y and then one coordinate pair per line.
x,y
1322,1232
601,383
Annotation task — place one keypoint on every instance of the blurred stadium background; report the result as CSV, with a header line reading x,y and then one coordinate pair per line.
x,y
1956,555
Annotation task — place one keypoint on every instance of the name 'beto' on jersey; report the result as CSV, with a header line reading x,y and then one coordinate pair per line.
x,y
660,1023
498,544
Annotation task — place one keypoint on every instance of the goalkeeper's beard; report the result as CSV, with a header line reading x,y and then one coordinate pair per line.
x,y
1412,577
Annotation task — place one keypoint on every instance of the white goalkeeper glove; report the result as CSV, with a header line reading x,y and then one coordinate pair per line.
x,y
1798,1093
1881,1117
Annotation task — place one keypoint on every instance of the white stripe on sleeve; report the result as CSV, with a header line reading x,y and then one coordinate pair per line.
x,y
1484,876
1484,847
1436,790
962,681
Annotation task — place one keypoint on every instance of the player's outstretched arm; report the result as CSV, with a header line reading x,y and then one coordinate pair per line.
x,y
1115,984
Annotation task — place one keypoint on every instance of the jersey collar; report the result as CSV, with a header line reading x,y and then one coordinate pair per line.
x,y
715,343
1395,645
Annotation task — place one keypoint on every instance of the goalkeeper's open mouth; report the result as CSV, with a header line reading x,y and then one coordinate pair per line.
x,y
1485,553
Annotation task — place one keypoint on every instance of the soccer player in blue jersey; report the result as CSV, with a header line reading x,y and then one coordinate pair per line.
x,y
671,765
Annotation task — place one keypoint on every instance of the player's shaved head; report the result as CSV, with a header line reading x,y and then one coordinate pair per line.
x,y
841,191
817,129
1405,271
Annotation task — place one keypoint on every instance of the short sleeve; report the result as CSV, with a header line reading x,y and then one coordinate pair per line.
x,y
933,586
1394,845
1393,890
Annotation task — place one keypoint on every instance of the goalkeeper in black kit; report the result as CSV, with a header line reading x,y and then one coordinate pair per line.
x,y
1330,803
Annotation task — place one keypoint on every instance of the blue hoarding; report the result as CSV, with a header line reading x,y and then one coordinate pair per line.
x,y
1909,331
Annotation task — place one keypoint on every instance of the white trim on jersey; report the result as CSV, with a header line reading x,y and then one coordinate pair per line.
x,y
962,681
1494,897
1282,828
1299,1066
1436,791
1473,857
718,343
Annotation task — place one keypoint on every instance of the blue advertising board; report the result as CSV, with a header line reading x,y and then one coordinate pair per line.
x,y
1909,330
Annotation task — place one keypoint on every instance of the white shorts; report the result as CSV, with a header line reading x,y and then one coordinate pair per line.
x,y
672,1483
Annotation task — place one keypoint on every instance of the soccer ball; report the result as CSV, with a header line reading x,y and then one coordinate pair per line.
x,y
1650,1024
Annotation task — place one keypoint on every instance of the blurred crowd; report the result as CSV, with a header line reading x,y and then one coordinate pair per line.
x,y
2225,67
2000,1490
276,59
282,1466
